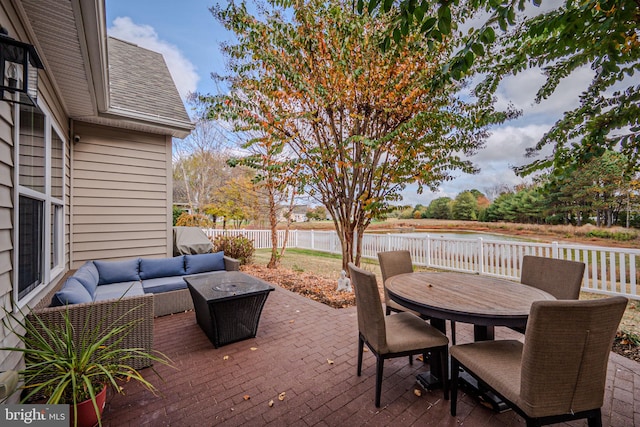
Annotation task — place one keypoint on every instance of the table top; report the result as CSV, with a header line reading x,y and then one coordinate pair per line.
x,y
227,285
471,298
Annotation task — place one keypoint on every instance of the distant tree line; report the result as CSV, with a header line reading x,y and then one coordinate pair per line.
x,y
602,193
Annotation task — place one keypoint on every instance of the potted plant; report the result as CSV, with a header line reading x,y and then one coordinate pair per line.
x,y
66,366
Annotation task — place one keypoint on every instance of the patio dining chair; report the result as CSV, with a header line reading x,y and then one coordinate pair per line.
x,y
559,373
393,263
400,335
558,277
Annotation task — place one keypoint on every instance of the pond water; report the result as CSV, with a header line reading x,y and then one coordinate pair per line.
x,y
461,235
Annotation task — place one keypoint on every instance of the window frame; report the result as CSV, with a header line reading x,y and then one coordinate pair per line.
x,y
49,272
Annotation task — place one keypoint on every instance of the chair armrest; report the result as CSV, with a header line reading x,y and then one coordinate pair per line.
x,y
231,264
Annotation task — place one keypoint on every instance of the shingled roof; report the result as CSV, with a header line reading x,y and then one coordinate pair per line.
x,y
99,79
139,81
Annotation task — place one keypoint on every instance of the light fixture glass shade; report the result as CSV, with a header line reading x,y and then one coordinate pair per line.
x,y
19,63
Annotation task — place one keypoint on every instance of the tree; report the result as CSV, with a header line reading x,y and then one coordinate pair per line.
x,y
361,123
276,177
318,213
199,163
238,200
465,206
600,34
440,208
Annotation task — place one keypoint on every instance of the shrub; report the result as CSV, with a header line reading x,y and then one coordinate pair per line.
x,y
177,211
622,236
195,220
238,247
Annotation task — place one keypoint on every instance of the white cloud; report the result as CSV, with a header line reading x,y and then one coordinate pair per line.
x,y
521,90
505,148
182,70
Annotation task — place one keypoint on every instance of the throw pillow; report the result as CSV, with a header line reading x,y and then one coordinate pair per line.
x,y
204,262
118,271
161,267
88,275
72,292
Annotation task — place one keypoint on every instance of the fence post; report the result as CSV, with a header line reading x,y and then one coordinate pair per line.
x,y
388,241
480,255
554,250
427,257
313,246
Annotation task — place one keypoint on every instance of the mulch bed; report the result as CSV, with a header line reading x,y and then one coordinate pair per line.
x,y
323,290
312,286
625,346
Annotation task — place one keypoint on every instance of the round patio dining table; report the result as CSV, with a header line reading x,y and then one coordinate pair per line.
x,y
484,301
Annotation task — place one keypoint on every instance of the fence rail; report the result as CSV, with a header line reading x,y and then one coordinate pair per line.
x,y
611,271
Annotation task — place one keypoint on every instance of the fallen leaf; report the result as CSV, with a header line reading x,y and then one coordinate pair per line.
x,y
330,362
271,403
420,358
365,349
225,358
282,395
291,321
253,348
417,392
246,397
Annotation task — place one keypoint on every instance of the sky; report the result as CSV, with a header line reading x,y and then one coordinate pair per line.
x,y
189,38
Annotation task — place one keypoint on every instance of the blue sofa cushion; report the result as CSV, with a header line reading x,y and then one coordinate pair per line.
x,y
163,284
118,271
151,268
88,275
119,290
204,262
72,292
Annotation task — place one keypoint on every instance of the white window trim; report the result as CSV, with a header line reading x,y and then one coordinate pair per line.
x,y
48,273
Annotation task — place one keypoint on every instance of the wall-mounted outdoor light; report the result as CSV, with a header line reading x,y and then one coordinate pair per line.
x,y
19,63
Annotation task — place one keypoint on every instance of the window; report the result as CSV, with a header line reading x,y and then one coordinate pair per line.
x,y
40,204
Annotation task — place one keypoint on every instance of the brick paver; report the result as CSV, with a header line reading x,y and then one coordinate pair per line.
x,y
307,351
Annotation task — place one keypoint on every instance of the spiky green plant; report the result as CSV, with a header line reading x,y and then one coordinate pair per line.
x,y
66,370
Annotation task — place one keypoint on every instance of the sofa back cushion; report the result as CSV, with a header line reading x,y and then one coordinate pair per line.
x,y
118,271
204,262
88,275
151,268
72,292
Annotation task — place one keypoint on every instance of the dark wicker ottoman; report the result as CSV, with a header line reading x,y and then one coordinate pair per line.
x,y
228,305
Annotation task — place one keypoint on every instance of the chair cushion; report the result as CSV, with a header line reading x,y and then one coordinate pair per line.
x,y
119,290
150,268
118,271
88,275
72,292
406,332
163,284
496,362
204,262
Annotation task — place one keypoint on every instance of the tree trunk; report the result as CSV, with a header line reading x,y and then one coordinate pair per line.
x,y
273,221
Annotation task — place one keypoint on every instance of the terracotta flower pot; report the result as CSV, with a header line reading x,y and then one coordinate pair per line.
x,y
87,413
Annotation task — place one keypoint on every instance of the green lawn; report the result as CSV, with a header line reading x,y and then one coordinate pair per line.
x,y
330,265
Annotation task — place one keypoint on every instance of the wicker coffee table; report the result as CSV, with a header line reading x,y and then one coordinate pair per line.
x,y
228,305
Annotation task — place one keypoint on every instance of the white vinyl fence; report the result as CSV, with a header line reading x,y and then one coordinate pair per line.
x,y
611,271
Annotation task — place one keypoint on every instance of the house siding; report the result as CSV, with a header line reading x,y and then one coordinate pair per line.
x,y
119,189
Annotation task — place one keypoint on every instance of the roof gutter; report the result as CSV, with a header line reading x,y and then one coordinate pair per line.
x,y
90,16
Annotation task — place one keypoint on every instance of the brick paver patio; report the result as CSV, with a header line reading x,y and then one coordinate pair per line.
x,y
307,351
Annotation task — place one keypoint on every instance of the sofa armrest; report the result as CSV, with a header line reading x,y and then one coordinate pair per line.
x,y
106,314
231,264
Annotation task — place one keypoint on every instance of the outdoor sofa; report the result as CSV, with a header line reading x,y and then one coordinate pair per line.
x,y
105,293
